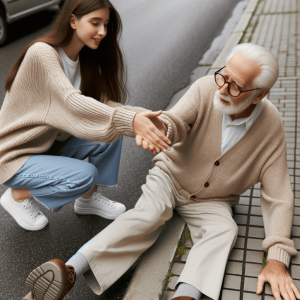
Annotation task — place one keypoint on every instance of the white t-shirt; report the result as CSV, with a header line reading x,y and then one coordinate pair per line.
x,y
71,69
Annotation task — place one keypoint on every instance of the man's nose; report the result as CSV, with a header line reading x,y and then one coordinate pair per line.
x,y
224,89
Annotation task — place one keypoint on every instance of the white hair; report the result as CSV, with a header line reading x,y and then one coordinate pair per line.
x,y
264,59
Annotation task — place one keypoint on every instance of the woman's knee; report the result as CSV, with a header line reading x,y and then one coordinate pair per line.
x,y
89,175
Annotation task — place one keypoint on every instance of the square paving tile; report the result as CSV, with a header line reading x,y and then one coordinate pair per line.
x,y
234,268
255,256
245,200
256,193
256,232
296,231
250,284
232,282
295,271
258,221
230,295
253,269
295,259
241,209
297,243
248,296
236,254
296,220
256,210
240,243
256,201
254,244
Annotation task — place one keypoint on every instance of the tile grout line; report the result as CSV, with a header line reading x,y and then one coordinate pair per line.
x,y
245,247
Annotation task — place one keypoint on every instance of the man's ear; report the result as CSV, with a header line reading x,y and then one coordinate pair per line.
x,y
73,21
263,93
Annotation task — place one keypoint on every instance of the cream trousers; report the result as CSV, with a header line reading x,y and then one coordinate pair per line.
x,y
117,247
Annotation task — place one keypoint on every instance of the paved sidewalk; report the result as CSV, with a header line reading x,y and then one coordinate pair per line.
x,y
275,25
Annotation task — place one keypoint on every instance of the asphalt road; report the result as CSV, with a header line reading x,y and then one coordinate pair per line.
x,y
163,41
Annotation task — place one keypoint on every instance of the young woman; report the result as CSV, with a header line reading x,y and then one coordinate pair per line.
x,y
54,116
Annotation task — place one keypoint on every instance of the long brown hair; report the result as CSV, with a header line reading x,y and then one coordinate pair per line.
x,y
103,71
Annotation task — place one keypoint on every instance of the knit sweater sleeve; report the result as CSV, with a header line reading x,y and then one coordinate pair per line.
x,y
277,203
70,111
113,104
182,116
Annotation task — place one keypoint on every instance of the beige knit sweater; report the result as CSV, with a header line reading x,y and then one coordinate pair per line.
x,y
201,173
42,102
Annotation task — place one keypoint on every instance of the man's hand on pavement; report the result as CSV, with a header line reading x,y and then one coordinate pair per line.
x,y
281,282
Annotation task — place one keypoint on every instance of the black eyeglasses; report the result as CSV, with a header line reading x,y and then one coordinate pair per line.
x,y
232,87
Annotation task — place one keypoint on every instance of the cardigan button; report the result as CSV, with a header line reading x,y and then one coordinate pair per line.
x,y
206,184
217,163
193,196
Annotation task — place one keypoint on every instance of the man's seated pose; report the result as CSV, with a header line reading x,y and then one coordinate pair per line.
x,y
226,137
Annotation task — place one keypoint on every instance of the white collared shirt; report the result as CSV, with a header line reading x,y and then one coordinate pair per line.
x,y
233,131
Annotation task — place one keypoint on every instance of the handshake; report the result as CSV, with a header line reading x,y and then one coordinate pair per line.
x,y
151,131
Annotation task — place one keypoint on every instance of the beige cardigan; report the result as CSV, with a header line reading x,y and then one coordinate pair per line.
x,y
200,173
43,103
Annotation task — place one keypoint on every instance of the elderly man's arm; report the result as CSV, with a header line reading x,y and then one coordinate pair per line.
x,y
180,118
277,205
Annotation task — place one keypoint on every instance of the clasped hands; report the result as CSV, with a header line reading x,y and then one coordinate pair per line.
x,y
151,131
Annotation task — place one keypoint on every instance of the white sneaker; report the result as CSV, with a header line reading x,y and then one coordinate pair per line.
x,y
100,206
26,214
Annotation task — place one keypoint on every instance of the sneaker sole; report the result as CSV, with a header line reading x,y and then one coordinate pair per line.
x,y
46,281
18,220
92,211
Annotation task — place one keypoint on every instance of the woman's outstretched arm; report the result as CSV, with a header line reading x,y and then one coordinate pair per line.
x,y
79,115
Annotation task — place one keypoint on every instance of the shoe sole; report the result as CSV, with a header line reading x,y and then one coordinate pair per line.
x,y
18,220
92,211
46,282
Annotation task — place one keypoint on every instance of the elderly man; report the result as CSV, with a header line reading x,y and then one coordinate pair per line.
x,y
226,137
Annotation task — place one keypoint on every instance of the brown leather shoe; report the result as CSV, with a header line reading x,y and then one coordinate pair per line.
x,y
183,298
51,280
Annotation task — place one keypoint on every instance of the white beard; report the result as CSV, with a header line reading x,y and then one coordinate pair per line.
x,y
231,109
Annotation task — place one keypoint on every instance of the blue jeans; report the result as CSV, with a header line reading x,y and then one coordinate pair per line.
x,y
60,175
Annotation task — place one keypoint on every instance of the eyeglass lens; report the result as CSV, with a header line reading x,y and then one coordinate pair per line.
x,y
233,88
